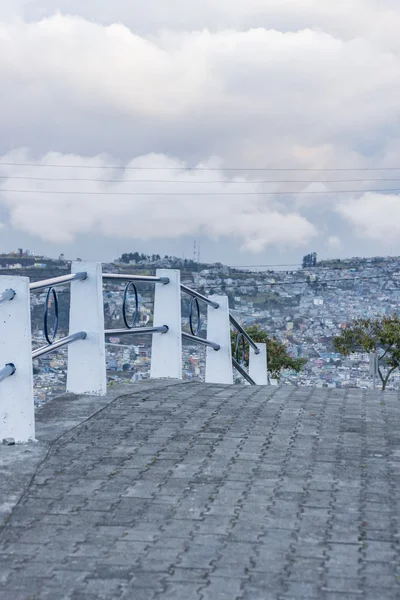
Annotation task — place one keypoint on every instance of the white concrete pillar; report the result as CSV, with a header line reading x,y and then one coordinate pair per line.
x,y
87,358
219,363
258,365
17,419
166,352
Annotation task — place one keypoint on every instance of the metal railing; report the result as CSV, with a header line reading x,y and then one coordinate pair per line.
x,y
65,341
87,366
242,337
130,326
7,295
51,298
199,296
193,336
7,371
142,278
56,281
242,332
201,341
138,330
9,368
242,371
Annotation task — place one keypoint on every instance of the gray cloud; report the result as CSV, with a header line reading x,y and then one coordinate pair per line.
x,y
110,202
293,84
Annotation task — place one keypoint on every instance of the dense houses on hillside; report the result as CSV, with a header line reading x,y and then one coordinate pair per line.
x,y
305,309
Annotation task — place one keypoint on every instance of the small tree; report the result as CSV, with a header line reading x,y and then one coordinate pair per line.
x,y
278,358
379,335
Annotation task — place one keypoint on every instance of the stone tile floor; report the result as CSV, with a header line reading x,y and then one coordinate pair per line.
x,y
209,492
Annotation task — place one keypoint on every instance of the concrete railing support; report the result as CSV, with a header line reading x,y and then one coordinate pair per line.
x,y
16,392
219,362
258,369
166,353
87,358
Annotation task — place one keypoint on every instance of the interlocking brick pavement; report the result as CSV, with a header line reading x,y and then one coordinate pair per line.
x,y
191,491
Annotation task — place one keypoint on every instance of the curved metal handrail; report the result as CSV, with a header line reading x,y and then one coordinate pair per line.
x,y
199,296
56,281
7,371
81,335
194,302
240,340
201,341
51,284
244,333
129,285
7,295
51,291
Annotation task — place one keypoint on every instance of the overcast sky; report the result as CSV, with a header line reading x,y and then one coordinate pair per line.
x,y
164,111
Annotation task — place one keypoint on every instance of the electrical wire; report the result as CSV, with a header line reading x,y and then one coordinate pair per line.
x,y
327,280
186,168
189,193
301,268
215,181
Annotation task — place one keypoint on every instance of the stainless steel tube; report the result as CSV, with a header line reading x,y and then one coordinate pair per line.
x,y
47,283
138,330
7,295
201,341
81,335
199,296
244,373
143,278
7,371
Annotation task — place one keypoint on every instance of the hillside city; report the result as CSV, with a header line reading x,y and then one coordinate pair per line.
x,y
303,308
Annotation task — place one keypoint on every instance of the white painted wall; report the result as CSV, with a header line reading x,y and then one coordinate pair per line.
x,y
87,358
166,353
219,363
258,365
16,392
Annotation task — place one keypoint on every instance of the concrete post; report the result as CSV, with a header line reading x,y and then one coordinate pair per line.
x,y
17,419
87,358
166,352
258,365
219,363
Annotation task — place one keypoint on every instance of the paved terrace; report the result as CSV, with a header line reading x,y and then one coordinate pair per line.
x,y
209,492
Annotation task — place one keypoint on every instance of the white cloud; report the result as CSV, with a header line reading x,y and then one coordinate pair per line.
x,y
300,83
289,93
377,20
122,208
375,216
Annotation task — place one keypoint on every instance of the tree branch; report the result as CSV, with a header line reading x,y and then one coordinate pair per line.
x,y
390,372
386,351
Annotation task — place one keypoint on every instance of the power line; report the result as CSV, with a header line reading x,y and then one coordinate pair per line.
x,y
118,167
298,265
344,266
98,193
271,265
276,283
216,181
336,280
